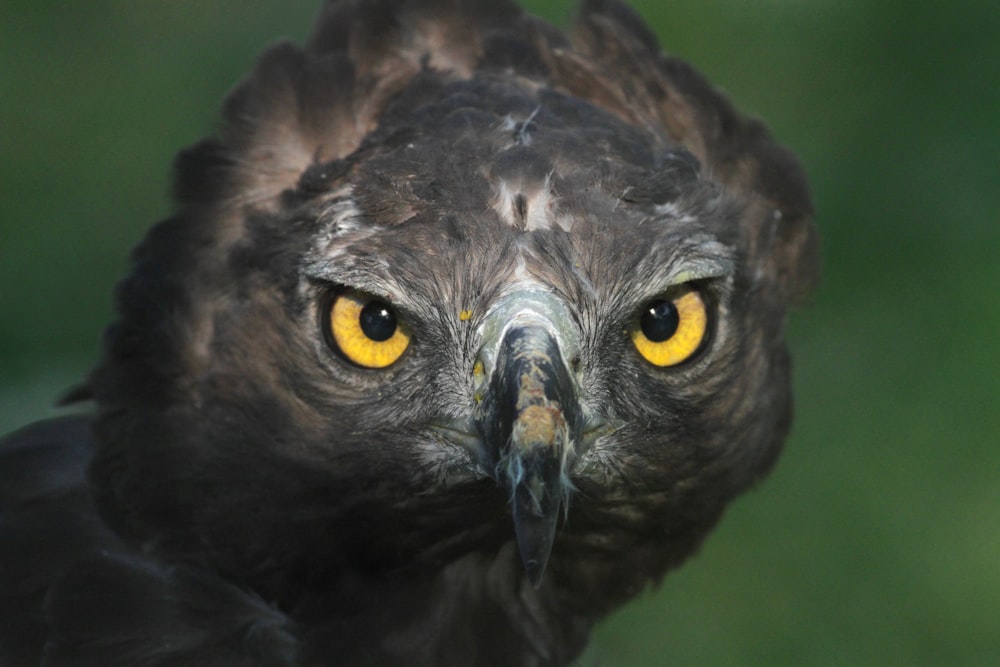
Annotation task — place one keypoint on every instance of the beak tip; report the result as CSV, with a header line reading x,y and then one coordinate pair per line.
x,y
535,535
534,570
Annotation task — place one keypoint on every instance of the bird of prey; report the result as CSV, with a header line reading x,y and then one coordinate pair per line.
x,y
463,331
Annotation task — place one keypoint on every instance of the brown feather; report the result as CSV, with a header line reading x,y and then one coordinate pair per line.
x,y
245,494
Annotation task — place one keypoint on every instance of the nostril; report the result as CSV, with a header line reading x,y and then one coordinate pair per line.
x,y
575,363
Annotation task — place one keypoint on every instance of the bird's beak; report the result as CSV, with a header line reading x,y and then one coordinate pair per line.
x,y
530,424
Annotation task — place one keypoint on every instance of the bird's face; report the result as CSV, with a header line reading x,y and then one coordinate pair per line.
x,y
570,333
498,313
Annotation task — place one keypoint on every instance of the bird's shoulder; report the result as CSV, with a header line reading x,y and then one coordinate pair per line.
x,y
66,577
43,460
46,520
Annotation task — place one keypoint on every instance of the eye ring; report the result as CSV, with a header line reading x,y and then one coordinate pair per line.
x,y
671,329
364,329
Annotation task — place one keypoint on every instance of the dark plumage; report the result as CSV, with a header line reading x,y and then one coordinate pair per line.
x,y
571,258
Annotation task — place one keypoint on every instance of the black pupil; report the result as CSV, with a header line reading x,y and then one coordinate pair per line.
x,y
378,322
660,320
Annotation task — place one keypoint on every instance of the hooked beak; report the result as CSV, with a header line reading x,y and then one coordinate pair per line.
x,y
530,424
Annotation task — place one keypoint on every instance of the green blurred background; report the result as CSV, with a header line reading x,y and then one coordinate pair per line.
x,y
877,540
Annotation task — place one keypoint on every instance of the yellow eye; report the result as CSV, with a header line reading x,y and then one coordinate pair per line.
x,y
366,331
670,330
